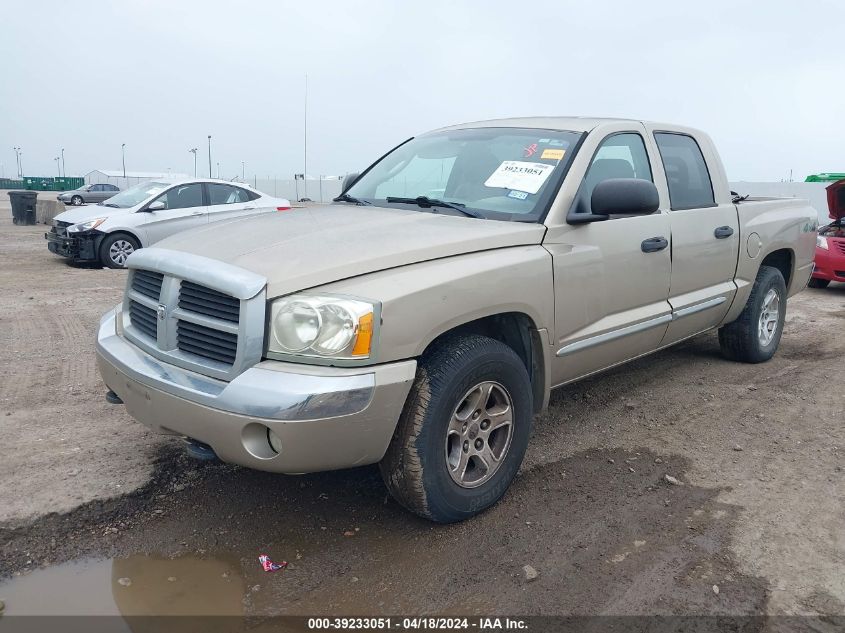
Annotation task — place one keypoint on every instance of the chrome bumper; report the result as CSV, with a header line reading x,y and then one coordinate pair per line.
x,y
325,417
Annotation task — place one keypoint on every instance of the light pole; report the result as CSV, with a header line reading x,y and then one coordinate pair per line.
x,y
58,166
209,156
18,160
193,151
218,170
123,159
243,172
64,171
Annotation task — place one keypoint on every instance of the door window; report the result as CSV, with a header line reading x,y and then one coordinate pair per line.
x,y
182,197
619,156
226,194
686,172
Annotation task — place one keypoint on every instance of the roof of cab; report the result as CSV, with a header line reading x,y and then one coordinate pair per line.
x,y
569,123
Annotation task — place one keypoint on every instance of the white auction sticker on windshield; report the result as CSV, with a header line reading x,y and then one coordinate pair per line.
x,y
520,175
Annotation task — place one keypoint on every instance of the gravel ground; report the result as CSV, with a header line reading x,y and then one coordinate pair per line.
x,y
754,525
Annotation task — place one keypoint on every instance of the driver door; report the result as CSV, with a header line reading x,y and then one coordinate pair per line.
x,y
184,208
611,277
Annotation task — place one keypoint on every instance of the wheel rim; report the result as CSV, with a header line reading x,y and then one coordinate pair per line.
x,y
120,250
479,434
769,317
76,201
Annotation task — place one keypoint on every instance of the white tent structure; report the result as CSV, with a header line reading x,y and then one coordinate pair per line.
x,y
132,178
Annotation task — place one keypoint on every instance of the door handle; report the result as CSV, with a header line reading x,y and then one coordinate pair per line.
x,y
248,208
654,244
722,232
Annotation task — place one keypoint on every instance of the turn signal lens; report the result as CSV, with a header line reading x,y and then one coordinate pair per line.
x,y
364,339
283,208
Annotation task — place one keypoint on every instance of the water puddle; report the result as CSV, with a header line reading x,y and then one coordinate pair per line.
x,y
134,586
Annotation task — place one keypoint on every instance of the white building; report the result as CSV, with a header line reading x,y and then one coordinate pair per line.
x,y
132,178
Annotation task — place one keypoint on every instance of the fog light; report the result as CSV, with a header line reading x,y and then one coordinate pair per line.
x,y
275,441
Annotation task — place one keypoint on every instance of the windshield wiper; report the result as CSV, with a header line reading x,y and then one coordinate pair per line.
x,y
345,197
425,202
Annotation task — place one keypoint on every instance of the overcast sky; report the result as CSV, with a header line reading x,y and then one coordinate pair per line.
x,y
764,79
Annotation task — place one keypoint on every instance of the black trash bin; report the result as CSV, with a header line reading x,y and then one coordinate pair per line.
x,y
23,206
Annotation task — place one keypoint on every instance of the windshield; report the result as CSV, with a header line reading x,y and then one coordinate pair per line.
x,y
498,173
135,195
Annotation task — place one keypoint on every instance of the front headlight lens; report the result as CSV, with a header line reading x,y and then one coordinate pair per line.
x,y
821,242
86,226
322,326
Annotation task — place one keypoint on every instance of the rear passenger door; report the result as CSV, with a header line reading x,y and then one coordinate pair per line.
x,y
229,201
705,236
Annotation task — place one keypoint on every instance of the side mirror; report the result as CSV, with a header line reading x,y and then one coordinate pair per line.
x,y
158,205
624,196
348,181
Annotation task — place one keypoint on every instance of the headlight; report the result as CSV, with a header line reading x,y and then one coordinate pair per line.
x,y
821,242
86,226
322,326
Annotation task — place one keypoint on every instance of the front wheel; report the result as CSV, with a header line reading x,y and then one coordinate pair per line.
x,y
116,248
818,283
754,337
463,432
76,201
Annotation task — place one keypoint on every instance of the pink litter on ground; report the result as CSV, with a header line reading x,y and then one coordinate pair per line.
x,y
269,565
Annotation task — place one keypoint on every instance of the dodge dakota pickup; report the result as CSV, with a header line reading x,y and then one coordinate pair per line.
x,y
422,319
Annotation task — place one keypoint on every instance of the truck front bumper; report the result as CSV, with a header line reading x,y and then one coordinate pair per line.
x,y
324,418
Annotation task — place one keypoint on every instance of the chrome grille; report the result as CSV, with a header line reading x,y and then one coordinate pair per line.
x,y
143,318
148,283
208,302
207,342
194,312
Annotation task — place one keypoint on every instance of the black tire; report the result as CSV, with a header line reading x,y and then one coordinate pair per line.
x,y
414,468
739,340
818,283
76,201
106,248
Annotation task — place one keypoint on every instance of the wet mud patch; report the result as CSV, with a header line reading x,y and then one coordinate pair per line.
x,y
604,530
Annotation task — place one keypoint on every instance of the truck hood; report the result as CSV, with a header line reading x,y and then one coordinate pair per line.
x,y
836,199
89,212
309,247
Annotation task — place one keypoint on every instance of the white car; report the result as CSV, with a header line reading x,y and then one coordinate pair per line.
x,y
112,230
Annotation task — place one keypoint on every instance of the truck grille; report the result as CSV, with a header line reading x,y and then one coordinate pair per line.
x,y
207,342
185,310
143,318
148,283
208,302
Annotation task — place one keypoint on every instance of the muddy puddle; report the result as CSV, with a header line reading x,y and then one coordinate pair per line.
x,y
133,586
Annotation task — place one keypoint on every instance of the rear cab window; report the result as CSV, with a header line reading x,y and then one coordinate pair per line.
x,y
687,175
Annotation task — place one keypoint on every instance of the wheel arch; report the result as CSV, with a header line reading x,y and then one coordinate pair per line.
x,y
784,260
518,331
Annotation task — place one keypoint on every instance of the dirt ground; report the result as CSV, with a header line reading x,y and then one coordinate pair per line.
x,y
755,526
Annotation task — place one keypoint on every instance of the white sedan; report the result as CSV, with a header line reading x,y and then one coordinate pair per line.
x,y
112,230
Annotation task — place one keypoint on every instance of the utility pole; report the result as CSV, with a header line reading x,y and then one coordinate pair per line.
x,y
193,151
123,159
64,171
209,157
305,145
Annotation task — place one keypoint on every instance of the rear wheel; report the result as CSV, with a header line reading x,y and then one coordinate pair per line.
x,y
463,432
818,283
76,200
754,337
116,248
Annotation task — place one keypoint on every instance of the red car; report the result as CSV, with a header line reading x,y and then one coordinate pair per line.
x,y
830,244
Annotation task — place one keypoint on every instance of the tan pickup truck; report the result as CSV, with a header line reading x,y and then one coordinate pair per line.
x,y
421,320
